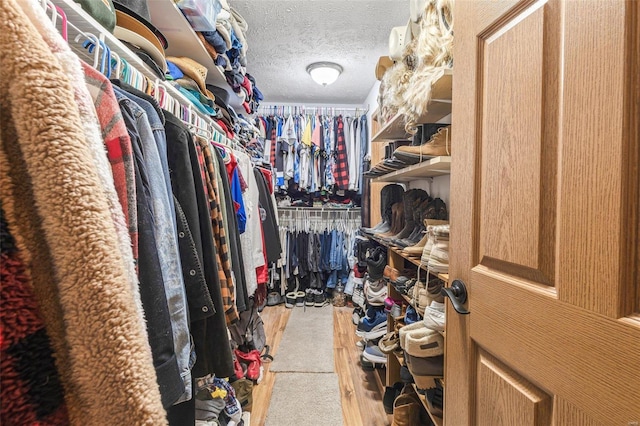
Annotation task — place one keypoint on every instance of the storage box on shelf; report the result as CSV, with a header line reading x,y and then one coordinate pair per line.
x,y
438,109
183,41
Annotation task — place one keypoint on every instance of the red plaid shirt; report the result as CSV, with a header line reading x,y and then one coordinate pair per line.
x,y
118,145
341,165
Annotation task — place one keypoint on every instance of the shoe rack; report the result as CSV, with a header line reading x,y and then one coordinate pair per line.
x,y
384,132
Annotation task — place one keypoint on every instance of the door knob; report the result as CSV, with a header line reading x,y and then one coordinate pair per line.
x,y
457,293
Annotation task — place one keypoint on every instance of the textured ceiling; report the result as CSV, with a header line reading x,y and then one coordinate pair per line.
x,y
286,36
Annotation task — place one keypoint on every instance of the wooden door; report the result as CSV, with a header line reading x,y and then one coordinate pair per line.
x,y
544,224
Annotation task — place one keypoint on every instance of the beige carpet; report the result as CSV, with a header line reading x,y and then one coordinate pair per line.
x,y
307,399
306,389
307,342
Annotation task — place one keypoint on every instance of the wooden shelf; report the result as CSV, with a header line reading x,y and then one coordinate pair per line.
x,y
381,378
436,166
439,108
436,420
413,260
183,41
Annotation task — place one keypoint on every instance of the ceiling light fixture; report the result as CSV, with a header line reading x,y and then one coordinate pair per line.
x,y
324,73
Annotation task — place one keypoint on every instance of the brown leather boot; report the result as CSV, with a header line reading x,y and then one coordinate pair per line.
x,y
397,220
406,410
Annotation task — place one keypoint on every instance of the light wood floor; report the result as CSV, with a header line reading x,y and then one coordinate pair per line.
x,y
361,399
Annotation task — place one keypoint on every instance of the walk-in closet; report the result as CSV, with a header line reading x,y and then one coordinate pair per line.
x,y
288,212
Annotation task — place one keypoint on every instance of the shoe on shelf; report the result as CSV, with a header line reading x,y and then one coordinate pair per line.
x,y
376,264
411,316
422,342
418,249
357,297
425,370
389,343
358,314
390,395
430,294
435,401
375,292
434,317
439,257
406,409
372,353
300,298
372,328
438,145
406,329
290,299
368,365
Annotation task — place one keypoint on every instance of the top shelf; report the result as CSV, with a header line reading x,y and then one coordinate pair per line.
x,y
183,41
439,108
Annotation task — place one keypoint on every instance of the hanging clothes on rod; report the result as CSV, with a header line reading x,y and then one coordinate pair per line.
x,y
315,155
317,248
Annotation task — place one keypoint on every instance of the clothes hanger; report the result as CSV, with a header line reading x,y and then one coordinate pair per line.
x,y
116,63
55,11
91,44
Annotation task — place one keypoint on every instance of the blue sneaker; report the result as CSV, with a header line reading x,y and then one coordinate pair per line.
x,y
411,316
372,328
372,353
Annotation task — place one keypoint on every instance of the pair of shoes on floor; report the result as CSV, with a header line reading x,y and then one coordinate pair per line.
x,y
274,298
315,297
294,298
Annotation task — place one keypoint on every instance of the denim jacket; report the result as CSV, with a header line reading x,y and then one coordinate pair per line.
x,y
152,291
166,239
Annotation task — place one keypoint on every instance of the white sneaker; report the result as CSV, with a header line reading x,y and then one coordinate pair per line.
x,y
375,292
434,316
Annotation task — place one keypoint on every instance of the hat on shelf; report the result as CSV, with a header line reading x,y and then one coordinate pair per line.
x,y
398,39
139,10
102,11
133,26
195,71
384,62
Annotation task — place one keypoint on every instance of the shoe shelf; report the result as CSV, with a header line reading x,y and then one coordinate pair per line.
x,y
414,260
439,108
436,166
423,399
183,41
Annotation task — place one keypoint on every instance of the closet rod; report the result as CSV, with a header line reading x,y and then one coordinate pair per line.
x,y
320,209
71,15
303,109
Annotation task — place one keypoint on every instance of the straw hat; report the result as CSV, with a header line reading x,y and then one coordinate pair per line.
x,y
194,70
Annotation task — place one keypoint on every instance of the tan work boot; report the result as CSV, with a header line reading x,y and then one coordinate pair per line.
x,y
439,144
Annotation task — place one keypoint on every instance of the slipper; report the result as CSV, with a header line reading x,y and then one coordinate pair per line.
x,y
389,343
